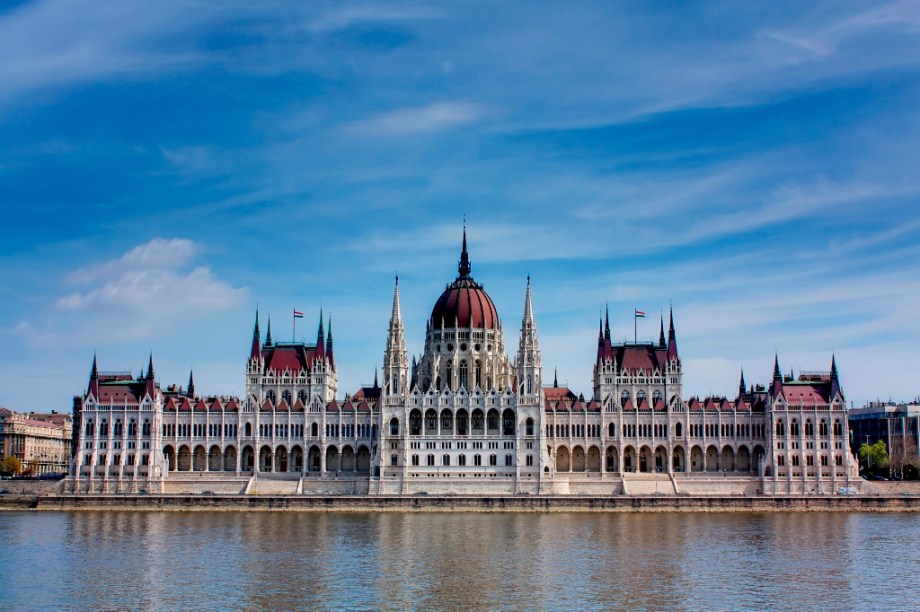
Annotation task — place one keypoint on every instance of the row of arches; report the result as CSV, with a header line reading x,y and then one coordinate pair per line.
x,y
659,459
281,459
463,423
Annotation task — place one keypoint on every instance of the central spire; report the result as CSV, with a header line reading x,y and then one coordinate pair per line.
x,y
464,268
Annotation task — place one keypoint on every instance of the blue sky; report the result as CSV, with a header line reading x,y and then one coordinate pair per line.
x,y
165,166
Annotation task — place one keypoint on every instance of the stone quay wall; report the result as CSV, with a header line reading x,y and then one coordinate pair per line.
x,y
425,503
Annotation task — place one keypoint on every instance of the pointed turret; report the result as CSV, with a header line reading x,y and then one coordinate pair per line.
x,y
742,388
661,343
835,380
672,337
256,349
150,384
268,333
191,384
464,268
395,357
527,363
555,378
777,374
93,388
376,384
320,338
329,354
600,331
607,323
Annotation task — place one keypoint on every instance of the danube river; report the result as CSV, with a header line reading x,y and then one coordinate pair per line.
x,y
260,560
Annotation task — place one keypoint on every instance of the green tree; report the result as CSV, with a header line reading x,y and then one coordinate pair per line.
x,y
874,456
11,465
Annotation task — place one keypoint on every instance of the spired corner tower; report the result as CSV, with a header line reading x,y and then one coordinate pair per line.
x,y
467,419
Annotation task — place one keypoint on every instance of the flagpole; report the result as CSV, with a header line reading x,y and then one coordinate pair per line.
x,y
293,325
635,334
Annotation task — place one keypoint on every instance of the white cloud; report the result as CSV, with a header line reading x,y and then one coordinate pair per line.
x,y
149,289
429,119
347,16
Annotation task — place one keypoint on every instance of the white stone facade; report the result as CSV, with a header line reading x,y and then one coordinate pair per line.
x,y
463,418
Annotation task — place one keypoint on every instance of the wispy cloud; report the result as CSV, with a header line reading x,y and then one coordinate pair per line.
x,y
148,289
437,117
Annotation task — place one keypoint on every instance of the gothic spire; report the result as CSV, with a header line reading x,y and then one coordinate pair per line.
x,y
741,386
150,367
606,322
555,378
268,333
528,323
777,375
191,384
672,336
320,337
464,267
600,330
661,343
329,341
256,338
833,367
94,379
396,314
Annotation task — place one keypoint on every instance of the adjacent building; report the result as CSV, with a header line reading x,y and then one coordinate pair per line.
x,y
896,424
465,417
40,441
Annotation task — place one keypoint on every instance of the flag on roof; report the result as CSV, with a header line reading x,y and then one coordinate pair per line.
x,y
298,314
640,313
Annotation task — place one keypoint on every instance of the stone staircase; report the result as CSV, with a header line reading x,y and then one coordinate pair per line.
x,y
274,484
648,484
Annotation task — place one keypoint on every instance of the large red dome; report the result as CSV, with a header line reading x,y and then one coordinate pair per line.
x,y
464,303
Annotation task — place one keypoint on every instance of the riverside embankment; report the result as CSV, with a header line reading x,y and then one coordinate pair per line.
x,y
428,503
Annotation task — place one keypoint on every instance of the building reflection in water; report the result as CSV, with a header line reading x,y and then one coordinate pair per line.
x,y
262,560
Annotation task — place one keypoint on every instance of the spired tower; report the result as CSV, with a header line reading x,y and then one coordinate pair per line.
x,y
465,418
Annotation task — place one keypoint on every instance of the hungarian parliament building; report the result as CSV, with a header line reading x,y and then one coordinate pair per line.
x,y
462,418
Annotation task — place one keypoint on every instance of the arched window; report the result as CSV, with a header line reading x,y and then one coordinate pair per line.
x,y
270,396
640,395
477,420
780,428
314,430
450,378
394,459
430,459
624,397
508,423
414,459
286,396
145,431
447,421
461,460
529,427
478,373
492,419
809,428
248,430
394,426
794,427
611,430
656,396
679,429
431,422
822,428
415,423
838,428
437,383
464,375
118,428
302,396
90,427
132,428
104,428
445,460
529,389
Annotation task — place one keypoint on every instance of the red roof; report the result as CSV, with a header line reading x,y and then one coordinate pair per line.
x,y
815,393
464,304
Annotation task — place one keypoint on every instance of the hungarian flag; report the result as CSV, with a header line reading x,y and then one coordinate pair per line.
x,y
640,314
298,314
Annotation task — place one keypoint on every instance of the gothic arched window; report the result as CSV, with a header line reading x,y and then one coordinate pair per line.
x,y
464,376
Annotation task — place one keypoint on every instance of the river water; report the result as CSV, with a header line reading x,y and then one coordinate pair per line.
x,y
260,560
